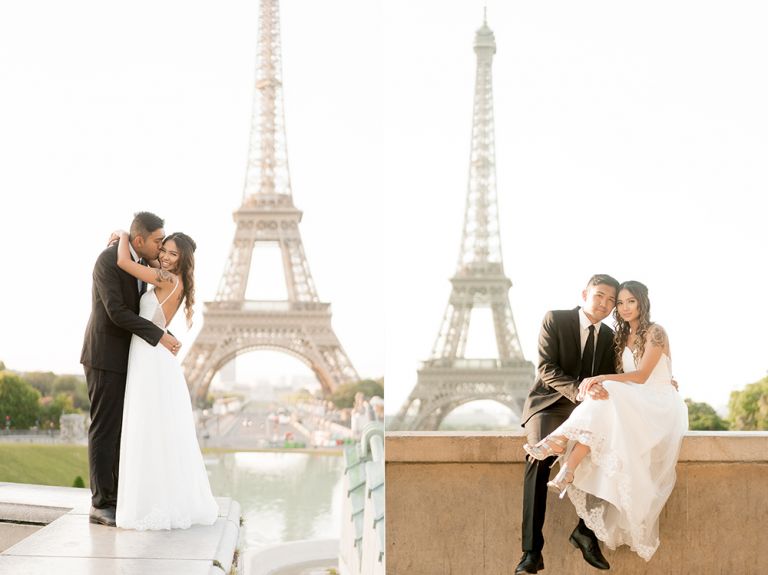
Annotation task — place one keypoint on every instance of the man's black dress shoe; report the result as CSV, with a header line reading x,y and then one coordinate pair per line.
x,y
530,562
590,549
105,516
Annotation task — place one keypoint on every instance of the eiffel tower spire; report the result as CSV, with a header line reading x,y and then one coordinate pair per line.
x,y
267,172
448,379
479,277
481,240
267,191
232,324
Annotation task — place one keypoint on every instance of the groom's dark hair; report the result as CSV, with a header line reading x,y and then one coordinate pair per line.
x,y
144,223
598,279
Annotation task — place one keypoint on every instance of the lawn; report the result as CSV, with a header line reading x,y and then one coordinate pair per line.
x,y
43,464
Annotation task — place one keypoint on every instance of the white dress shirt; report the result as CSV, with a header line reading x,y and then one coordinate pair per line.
x,y
584,324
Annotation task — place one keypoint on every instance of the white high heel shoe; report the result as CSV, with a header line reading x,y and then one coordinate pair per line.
x,y
547,447
562,481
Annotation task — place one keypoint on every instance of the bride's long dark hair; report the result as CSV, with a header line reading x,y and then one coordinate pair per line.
x,y
186,269
640,291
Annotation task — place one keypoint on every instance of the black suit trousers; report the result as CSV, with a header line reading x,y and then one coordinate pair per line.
x,y
537,474
106,390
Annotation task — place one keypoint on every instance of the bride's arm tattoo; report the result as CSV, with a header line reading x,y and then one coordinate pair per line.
x,y
164,276
658,336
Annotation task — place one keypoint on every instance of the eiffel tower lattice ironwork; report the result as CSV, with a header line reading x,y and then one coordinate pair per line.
x,y
448,379
301,324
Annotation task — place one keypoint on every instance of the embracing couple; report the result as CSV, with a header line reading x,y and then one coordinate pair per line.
x,y
146,468
604,404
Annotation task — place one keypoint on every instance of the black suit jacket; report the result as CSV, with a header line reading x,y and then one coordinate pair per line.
x,y
559,366
114,317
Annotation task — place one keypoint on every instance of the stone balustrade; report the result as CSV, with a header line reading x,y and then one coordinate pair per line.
x,y
361,548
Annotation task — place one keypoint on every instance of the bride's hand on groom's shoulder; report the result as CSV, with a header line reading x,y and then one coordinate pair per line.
x,y
115,237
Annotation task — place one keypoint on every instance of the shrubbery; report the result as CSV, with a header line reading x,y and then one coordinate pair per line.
x,y
39,398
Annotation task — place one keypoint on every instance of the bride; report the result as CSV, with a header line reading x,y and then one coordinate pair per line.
x,y
620,452
163,483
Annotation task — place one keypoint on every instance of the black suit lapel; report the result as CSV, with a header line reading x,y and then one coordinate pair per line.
x,y
604,341
574,335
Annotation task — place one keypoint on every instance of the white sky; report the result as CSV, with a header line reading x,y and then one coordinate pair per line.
x,y
635,130
644,124
111,108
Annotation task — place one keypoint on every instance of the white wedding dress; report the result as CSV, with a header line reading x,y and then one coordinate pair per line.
x,y
621,486
163,483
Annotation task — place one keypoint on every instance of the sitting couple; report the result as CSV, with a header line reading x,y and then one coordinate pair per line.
x,y
606,407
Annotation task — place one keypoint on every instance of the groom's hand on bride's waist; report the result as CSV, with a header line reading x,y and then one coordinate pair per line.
x,y
171,343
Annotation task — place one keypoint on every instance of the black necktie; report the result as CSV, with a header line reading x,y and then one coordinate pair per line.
x,y
588,357
142,283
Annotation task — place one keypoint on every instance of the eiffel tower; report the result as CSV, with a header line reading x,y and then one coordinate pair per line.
x,y
448,379
300,325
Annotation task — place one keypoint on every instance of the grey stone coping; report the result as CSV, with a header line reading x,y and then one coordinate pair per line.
x,y
12,533
267,560
507,447
30,514
71,544
91,566
72,499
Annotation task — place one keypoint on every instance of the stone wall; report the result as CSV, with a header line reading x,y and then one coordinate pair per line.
x,y
73,428
454,507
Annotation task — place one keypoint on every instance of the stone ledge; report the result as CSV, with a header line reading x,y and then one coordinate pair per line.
x,y
70,544
92,566
267,560
26,513
507,447
11,534
454,506
73,499
225,551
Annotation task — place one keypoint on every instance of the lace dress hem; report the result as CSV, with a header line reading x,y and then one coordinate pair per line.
x,y
593,509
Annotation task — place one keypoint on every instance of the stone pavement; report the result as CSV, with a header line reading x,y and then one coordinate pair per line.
x,y
48,531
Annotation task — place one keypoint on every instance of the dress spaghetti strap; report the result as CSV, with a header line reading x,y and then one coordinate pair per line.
x,y
162,303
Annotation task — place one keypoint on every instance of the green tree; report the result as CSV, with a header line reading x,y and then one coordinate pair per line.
x,y
78,482
748,408
42,381
702,416
297,396
18,400
344,396
75,387
65,383
52,408
2,366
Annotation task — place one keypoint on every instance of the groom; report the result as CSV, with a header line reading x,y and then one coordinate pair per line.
x,y
573,345
114,317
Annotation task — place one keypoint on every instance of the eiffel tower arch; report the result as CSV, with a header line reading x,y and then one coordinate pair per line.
x,y
450,388
448,379
301,324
